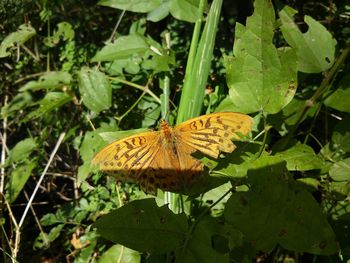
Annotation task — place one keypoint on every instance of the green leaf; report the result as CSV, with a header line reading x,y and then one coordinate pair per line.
x,y
19,102
151,109
44,239
64,31
22,150
123,47
276,210
341,136
160,12
341,190
315,48
123,254
139,6
236,164
200,247
23,34
260,76
186,10
93,141
288,116
340,171
95,89
340,98
215,194
301,157
146,221
49,81
18,179
91,144
50,102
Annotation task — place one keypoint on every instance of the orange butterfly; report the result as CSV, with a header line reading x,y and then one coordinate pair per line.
x,y
162,159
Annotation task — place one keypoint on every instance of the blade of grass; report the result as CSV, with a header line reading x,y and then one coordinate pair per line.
x,y
196,76
198,66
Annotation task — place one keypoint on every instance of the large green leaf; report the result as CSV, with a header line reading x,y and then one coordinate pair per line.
x,y
160,12
200,246
24,33
301,157
22,150
157,229
315,48
276,210
140,6
51,101
186,10
17,179
123,47
50,80
260,76
95,89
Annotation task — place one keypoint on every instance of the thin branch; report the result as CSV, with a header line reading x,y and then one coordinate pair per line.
x,y
3,150
111,39
143,88
17,238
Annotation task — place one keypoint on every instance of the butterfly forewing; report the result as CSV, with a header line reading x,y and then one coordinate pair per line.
x,y
212,133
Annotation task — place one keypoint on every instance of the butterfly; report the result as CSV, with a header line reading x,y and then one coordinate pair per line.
x,y
162,159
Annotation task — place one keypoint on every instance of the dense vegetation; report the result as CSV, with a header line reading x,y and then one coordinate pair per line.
x,y
76,75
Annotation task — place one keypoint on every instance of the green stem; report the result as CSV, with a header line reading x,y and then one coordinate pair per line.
x,y
266,129
143,88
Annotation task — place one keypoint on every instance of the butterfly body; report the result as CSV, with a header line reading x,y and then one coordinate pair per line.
x,y
162,159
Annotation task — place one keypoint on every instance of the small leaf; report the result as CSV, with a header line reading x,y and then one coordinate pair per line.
x,y
301,157
50,80
44,239
340,98
341,136
340,171
18,178
123,254
64,31
160,12
186,10
123,47
315,48
140,6
145,220
50,102
23,34
95,89
22,150
19,102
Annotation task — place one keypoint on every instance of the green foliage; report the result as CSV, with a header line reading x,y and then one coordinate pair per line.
x,y
257,62
77,69
23,34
